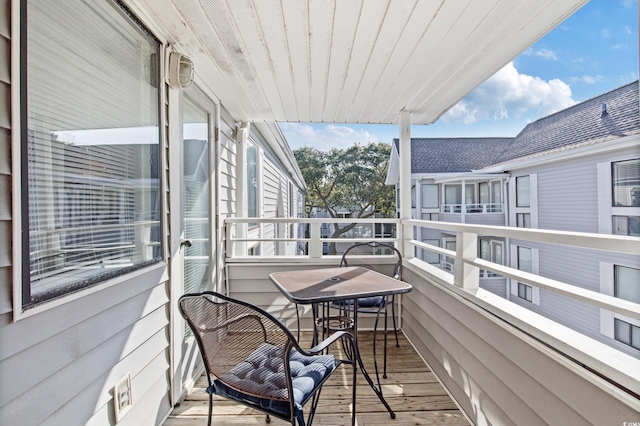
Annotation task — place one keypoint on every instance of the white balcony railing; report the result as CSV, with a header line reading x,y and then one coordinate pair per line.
x,y
464,278
472,208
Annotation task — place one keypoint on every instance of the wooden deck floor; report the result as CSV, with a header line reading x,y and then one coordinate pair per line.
x,y
411,390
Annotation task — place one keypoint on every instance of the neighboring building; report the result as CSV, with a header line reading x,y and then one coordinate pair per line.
x,y
577,170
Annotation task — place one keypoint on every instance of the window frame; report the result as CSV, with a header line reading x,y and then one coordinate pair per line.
x,y
606,209
608,318
535,269
19,142
423,198
532,209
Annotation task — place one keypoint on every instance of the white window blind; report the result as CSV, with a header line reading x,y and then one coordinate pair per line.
x,y
90,147
626,183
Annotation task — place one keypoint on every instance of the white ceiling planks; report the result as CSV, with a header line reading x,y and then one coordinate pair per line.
x,y
350,61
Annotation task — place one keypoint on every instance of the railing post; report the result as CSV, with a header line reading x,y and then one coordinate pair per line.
x,y
315,245
466,275
408,251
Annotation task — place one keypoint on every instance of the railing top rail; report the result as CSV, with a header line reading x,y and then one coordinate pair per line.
x,y
607,242
310,220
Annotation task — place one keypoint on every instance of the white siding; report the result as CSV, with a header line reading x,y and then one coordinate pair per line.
x,y
6,270
496,373
568,201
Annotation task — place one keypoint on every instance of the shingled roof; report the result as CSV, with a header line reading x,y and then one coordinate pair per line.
x,y
608,116
447,155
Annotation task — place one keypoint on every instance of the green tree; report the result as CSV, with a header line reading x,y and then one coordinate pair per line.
x,y
348,179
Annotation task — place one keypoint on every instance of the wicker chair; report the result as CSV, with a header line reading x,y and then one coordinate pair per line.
x,y
252,358
367,255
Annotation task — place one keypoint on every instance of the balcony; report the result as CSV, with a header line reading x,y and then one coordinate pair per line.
x,y
411,389
497,359
479,214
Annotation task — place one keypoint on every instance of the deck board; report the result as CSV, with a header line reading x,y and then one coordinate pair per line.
x,y
411,389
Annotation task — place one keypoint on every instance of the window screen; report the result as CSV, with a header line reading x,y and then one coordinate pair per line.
x,y
90,148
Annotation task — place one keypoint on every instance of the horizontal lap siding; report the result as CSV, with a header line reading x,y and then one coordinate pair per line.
x,y
568,201
78,351
6,270
497,374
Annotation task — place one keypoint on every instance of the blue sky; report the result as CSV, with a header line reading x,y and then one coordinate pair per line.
x,y
592,52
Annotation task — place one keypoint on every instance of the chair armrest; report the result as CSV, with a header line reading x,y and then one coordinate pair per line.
x,y
328,341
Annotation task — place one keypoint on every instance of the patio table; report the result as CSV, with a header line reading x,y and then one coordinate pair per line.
x,y
322,286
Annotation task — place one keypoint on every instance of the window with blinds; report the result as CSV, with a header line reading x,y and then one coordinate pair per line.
x,y
626,183
90,148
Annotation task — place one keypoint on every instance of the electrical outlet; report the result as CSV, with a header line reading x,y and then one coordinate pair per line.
x,y
122,397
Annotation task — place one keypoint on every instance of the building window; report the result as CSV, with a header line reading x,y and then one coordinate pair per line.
x,y
523,220
453,198
626,283
626,225
523,192
620,281
490,250
625,177
525,259
252,181
626,333
429,196
90,147
525,292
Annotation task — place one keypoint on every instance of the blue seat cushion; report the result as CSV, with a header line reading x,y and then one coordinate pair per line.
x,y
364,302
262,373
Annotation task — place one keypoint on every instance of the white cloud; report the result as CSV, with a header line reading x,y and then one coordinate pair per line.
x,y
324,137
618,46
543,53
628,3
627,29
509,94
588,79
547,54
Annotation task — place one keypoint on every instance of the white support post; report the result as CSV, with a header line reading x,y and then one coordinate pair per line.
x,y
405,183
466,275
315,245
242,133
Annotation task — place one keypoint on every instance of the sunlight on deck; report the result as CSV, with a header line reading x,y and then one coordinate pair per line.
x,y
413,392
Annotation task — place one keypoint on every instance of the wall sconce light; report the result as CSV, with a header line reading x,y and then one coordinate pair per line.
x,y
180,70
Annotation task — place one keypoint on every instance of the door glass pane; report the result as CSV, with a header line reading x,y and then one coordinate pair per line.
x,y
483,187
484,250
429,196
196,197
469,194
496,193
453,194
252,181
523,191
497,253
